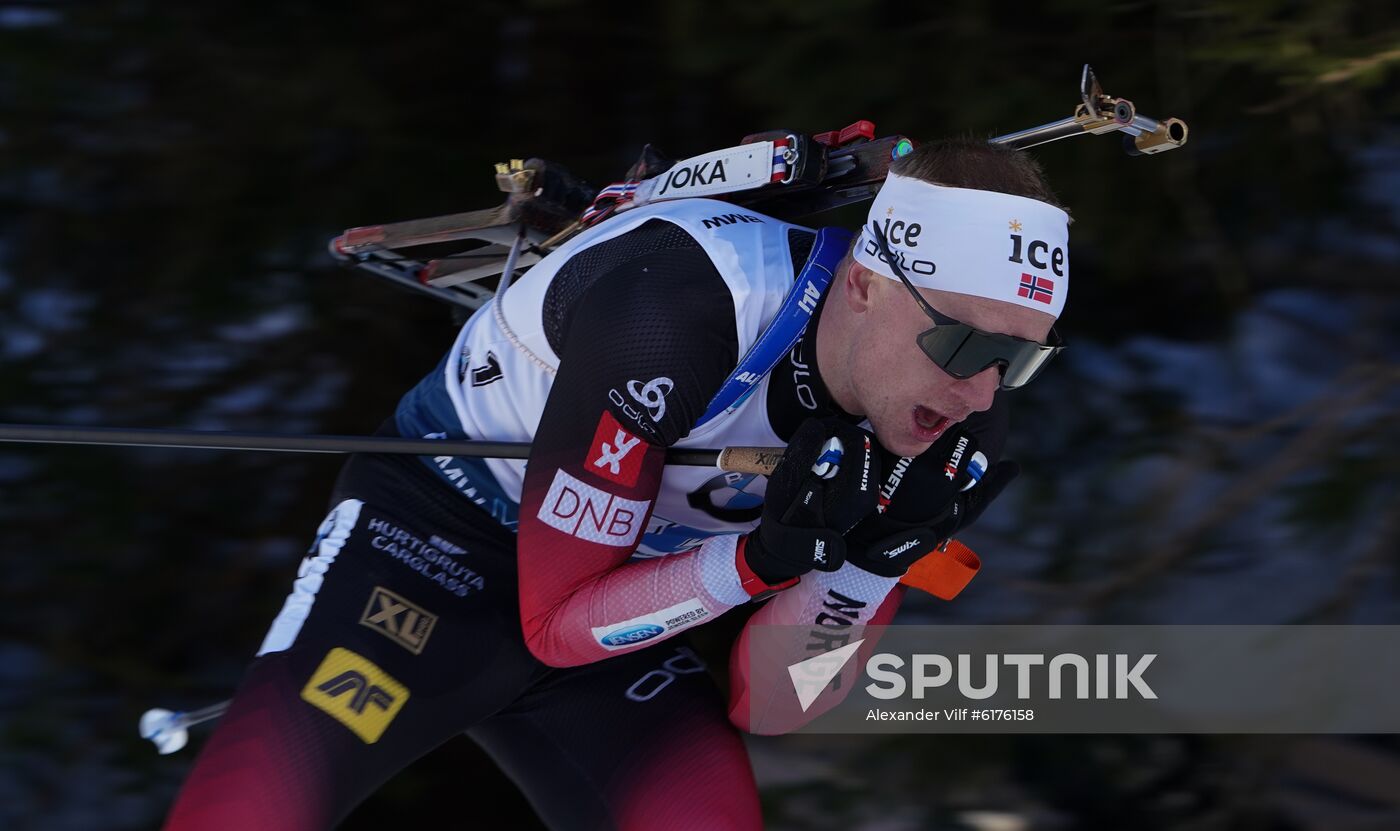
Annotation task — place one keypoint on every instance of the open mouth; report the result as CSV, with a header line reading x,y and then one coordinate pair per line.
x,y
929,424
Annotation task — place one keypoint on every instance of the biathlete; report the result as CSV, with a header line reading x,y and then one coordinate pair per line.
x,y
542,608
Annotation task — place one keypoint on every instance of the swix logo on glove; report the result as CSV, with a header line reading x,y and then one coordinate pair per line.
x,y
611,455
819,553
895,552
950,470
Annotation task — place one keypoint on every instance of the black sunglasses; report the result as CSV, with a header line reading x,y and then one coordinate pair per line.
x,y
962,351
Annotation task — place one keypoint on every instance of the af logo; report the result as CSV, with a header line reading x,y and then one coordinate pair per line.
x,y
355,692
730,497
398,619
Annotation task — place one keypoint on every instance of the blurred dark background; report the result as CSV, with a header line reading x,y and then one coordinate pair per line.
x,y
1218,445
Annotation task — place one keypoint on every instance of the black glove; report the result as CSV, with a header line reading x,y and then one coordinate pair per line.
x,y
925,501
815,495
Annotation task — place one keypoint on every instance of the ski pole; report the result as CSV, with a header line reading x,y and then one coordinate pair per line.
x,y
760,460
169,730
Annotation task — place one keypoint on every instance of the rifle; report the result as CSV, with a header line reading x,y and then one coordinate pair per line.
x,y
782,173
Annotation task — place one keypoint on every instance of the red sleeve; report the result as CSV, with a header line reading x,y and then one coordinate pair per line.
x,y
823,613
647,345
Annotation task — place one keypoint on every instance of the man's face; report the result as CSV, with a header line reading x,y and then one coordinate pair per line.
x,y
909,400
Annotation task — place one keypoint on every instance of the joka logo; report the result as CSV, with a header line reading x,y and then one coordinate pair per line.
x,y
610,456
652,396
352,690
702,173
483,375
401,621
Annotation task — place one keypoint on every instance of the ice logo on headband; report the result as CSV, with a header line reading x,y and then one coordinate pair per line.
x,y
980,243
899,233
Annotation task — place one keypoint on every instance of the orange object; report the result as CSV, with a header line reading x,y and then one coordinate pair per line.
x,y
944,572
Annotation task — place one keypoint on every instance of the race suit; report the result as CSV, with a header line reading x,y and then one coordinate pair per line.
x,y
535,606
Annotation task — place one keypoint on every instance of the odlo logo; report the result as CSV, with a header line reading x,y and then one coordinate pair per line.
x,y
652,395
355,692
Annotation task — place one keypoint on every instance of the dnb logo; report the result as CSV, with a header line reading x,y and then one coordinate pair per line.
x,y
352,690
730,497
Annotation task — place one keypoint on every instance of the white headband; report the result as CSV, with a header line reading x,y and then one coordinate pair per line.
x,y
975,242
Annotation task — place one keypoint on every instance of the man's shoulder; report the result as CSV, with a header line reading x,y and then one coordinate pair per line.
x,y
700,215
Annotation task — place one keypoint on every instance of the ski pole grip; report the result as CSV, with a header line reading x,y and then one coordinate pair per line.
x,y
760,460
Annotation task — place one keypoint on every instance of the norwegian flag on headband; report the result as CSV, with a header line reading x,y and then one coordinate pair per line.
x,y
1036,288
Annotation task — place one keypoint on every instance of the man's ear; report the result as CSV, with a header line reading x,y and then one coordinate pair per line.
x,y
858,287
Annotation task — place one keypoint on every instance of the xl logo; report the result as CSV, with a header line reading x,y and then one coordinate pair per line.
x,y
652,396
354,691
398,619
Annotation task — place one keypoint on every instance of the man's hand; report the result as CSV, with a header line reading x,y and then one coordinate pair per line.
x,y
925,500
825,484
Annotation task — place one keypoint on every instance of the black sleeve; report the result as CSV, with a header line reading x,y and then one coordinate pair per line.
x,y
645,328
